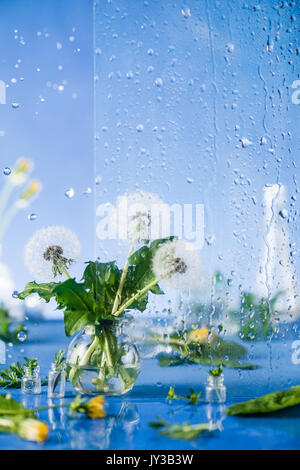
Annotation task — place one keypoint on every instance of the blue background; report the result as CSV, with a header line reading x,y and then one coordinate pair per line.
x,y
57,133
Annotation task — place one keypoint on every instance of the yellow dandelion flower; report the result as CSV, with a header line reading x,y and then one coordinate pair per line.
x,y
95,407
23,168
201,336
33,430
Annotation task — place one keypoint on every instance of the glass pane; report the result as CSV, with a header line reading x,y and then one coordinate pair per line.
x,y
198,102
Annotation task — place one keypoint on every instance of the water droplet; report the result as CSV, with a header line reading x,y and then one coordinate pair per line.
x,y
283,213
140,128
87,191
7,171
158,82
98,179
229,47
245,142
186,13
22,336
15,105
129,74
15,294
69,193
210,239
189,180
72,38
32,216
150,52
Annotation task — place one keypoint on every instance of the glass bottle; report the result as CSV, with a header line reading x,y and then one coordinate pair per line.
x,y
56,381
2,352
31,381
215,390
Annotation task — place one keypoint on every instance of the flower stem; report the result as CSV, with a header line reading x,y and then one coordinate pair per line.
x,y
123,279
138,294
85,358
63,269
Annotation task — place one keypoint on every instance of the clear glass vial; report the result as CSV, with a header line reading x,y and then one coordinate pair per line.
x,y
31,381
56,381
215,390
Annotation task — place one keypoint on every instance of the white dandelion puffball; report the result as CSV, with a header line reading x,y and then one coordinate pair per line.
x,y
137,214
41,241
178,262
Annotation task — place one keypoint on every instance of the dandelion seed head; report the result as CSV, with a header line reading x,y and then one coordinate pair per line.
x,y
48,244
179,263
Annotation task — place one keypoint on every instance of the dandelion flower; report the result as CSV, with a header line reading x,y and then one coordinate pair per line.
x,y
178,262
201,336
33,430
29,194
95,408
23,168
50,251
138,208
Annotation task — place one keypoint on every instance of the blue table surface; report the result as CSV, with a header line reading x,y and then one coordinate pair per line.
x,y
126,426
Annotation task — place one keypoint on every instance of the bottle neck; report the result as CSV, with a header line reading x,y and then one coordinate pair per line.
x,y
32,371
215,380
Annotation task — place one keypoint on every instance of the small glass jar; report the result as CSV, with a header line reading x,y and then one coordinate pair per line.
x,y
56,381
2,352
215,390
31,381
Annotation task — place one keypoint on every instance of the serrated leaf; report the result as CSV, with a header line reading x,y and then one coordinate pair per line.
x,y
45,291
102,280
77,304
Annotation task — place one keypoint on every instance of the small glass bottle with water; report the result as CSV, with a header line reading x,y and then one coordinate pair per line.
x,y
215,390
31,381
56,381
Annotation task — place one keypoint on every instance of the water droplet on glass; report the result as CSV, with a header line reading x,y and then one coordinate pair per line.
x,y
98,179
129,74
87,191
210,239
190,180
22,336
186,13
7,171
15,105
140,128
69,193
32,216
245,142
15,294
229,47
283,213
158,82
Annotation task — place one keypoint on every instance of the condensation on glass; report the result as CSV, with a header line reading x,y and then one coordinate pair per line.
x,y
199,103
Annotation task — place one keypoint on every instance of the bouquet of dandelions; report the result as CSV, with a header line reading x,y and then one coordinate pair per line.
x,y
100,357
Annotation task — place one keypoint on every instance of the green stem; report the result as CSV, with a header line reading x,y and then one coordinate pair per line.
x,y
63,269
8,218
86,357
29,412
138,294
123,279
107,352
